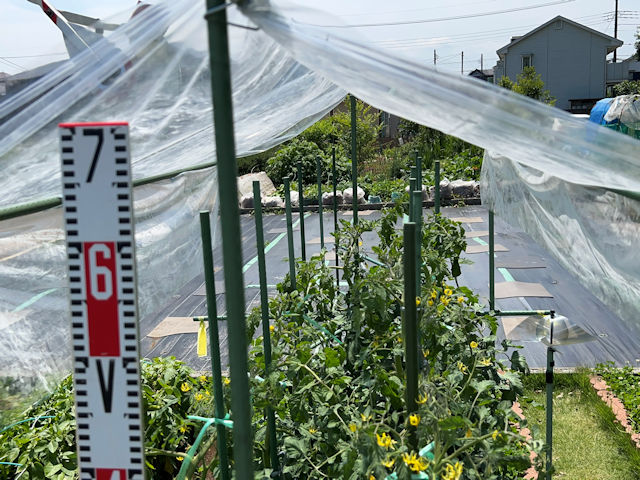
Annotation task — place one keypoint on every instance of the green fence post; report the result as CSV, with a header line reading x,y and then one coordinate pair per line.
x,y
266,334
214,341
410,324
319,175
335,210
354,158
303,246
436,181
292,255
216,17
492,269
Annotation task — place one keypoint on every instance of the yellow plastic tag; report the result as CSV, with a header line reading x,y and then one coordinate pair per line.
x,y
202,340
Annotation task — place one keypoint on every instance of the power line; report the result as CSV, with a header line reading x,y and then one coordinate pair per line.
x,y
443,19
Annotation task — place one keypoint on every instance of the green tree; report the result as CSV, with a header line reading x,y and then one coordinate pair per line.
x,y
530,84
627,87
638,44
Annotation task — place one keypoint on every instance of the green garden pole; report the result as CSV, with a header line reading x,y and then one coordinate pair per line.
x,y
412,187
410,324
301,210
216,17
436,181
292,255
492,270
549,412
319,175
418,173
417,218
354,159
264,311
214,342
335,209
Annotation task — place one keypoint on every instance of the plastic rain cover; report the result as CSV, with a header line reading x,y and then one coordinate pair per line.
x,y
553,174
153,72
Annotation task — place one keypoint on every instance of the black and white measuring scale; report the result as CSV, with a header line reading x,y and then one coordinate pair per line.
x,y
98,215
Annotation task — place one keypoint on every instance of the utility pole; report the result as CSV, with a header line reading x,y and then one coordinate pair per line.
x,y
462,64
615,33
434,56
481,62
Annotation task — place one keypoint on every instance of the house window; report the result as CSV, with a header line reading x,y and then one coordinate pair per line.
x,y
527,61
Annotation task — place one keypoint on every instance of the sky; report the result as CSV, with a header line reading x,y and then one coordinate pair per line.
x,y
28,38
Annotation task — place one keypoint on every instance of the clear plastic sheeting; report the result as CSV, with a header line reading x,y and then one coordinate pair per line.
x,y
553,174
593,233
153,72
34,316
501,121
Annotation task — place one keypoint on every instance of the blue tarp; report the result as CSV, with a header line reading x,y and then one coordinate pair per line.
x,y
599,110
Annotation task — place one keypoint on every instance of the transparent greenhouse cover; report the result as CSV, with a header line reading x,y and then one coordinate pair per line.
x,y
555,175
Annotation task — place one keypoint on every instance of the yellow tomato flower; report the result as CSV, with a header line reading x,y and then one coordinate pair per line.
x,y
468,434
385,441
453,472
462,367
473,344
417,301
365,418
371,477
202,378
360,243
227,380
485,362
422,399
199,397
352,427
448,292
430,302
271,328
409,459
179,458
434,294
312,430
183,429
445,300
185,387
414,419
206,392
460,299
495,434
389,462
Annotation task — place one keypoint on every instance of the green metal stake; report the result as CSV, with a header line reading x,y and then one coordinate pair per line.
x,y
214,341
436,180
410,324
492,270
354,159
319,175
549,381
216,17
417,218
292,255
303,246
335,209
418,172
412,187
266,334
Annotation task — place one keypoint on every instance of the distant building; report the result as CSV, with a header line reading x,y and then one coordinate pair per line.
x,y
628,69
486,75
570,57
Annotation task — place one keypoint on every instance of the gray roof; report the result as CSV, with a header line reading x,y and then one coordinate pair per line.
x,y
613,42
